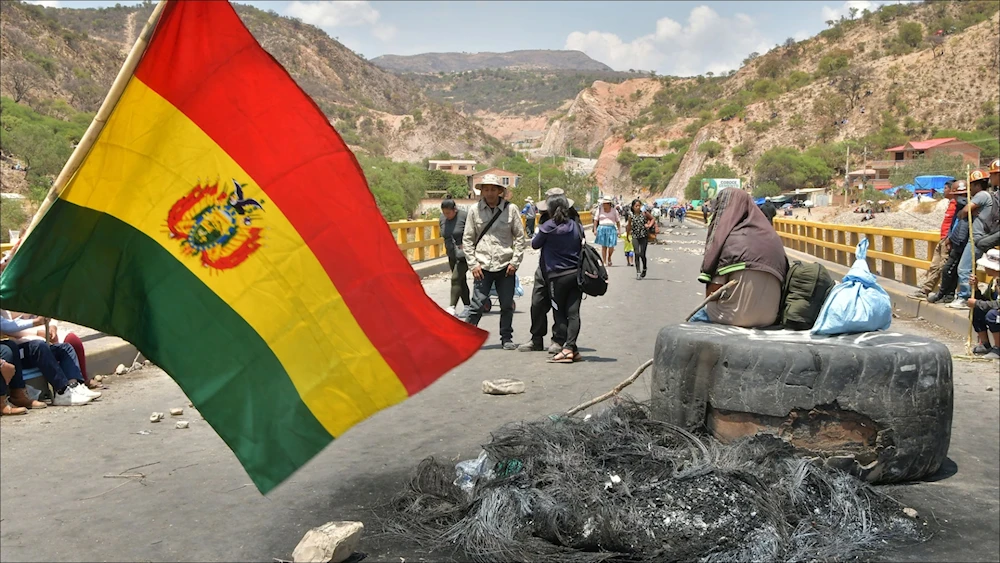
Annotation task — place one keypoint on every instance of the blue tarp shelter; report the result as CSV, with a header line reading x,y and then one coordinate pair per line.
x,y
666,201
931,184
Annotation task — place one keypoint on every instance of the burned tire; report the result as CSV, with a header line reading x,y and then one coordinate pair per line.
x,y
876,404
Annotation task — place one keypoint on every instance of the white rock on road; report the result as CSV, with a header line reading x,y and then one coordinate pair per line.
x,y
503,386
333,541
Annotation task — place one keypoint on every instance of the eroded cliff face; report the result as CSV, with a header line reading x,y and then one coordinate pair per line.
x,y
596,111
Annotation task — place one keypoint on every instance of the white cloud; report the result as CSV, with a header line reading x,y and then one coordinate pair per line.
x,y
707,42
844,10
384,31
345,13
46,3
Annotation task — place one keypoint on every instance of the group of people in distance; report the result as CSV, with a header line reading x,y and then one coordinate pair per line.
x,y
970,230
489,239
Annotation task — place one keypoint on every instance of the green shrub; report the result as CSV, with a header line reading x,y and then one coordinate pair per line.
x,y
729,110
626,157
766,189
710,148
680,144
13,217
911,34
741,150
833,61
790,169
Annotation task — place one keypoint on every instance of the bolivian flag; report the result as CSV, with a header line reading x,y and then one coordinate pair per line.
x,y
222,226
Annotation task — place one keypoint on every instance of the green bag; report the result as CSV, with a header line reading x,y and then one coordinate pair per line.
x,y
803,293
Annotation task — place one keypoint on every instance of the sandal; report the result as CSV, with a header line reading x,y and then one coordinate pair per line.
x,y
9,410
561,358
577,357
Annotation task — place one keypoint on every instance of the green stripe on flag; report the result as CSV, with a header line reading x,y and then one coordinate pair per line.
x,y
90,268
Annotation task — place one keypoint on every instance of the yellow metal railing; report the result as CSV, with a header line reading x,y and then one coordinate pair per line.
x,y
836,243
418,240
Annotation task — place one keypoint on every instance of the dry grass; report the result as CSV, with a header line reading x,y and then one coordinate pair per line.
x,y
925,207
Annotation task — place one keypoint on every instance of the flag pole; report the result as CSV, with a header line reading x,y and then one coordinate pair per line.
x,y
89,138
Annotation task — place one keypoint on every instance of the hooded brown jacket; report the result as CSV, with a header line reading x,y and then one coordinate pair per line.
x,y
741,238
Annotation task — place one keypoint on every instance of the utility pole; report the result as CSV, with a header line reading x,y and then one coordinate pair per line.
x,y
540,180
847,174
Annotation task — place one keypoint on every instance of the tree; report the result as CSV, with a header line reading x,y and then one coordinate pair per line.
x,y
911,34
790,169
852,82
767,189
22,78
937,45
853,11
626,157
829,108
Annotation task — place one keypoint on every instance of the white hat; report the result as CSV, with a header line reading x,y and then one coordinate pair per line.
x,y
488,179
991,260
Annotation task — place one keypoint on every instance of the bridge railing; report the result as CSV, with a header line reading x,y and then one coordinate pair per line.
x,y
418,240
896,254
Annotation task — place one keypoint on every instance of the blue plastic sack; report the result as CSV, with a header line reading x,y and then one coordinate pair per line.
x,y
857,303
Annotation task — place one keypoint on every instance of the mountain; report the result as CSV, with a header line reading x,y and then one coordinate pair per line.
x,y
904,71
517,60
61,60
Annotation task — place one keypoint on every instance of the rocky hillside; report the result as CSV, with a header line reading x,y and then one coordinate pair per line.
x,y
514,60
59,60
873,81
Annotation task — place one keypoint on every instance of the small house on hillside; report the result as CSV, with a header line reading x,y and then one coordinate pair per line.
x,y
463,167
917,149
878,171
507,178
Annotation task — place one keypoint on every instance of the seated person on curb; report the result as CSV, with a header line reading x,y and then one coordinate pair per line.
x,y
31,327
13,381
57,362
984,308
741,245
55,338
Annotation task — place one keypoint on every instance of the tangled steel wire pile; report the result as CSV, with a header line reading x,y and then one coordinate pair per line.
x,y
619,486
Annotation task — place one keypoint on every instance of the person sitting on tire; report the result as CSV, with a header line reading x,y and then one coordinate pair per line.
x,y
984,308
741,245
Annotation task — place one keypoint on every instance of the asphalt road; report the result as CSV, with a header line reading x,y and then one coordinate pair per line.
x,y
63,498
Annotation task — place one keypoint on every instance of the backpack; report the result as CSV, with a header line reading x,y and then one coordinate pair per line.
x,y
592,275
803,294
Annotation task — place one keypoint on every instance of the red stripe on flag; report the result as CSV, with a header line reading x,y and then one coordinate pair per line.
x,y
204,61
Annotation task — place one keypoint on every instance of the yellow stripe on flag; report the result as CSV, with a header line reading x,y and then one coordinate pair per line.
x,y
147,157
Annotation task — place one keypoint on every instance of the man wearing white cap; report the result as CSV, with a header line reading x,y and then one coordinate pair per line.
x,y
984,307
494,245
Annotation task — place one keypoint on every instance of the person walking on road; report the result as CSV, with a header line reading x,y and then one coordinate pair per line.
x,y
638,226
452,230
607,223
769,210
529,212
560,240
494,246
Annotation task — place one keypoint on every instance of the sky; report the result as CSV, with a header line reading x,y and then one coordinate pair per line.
x,y
680,38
